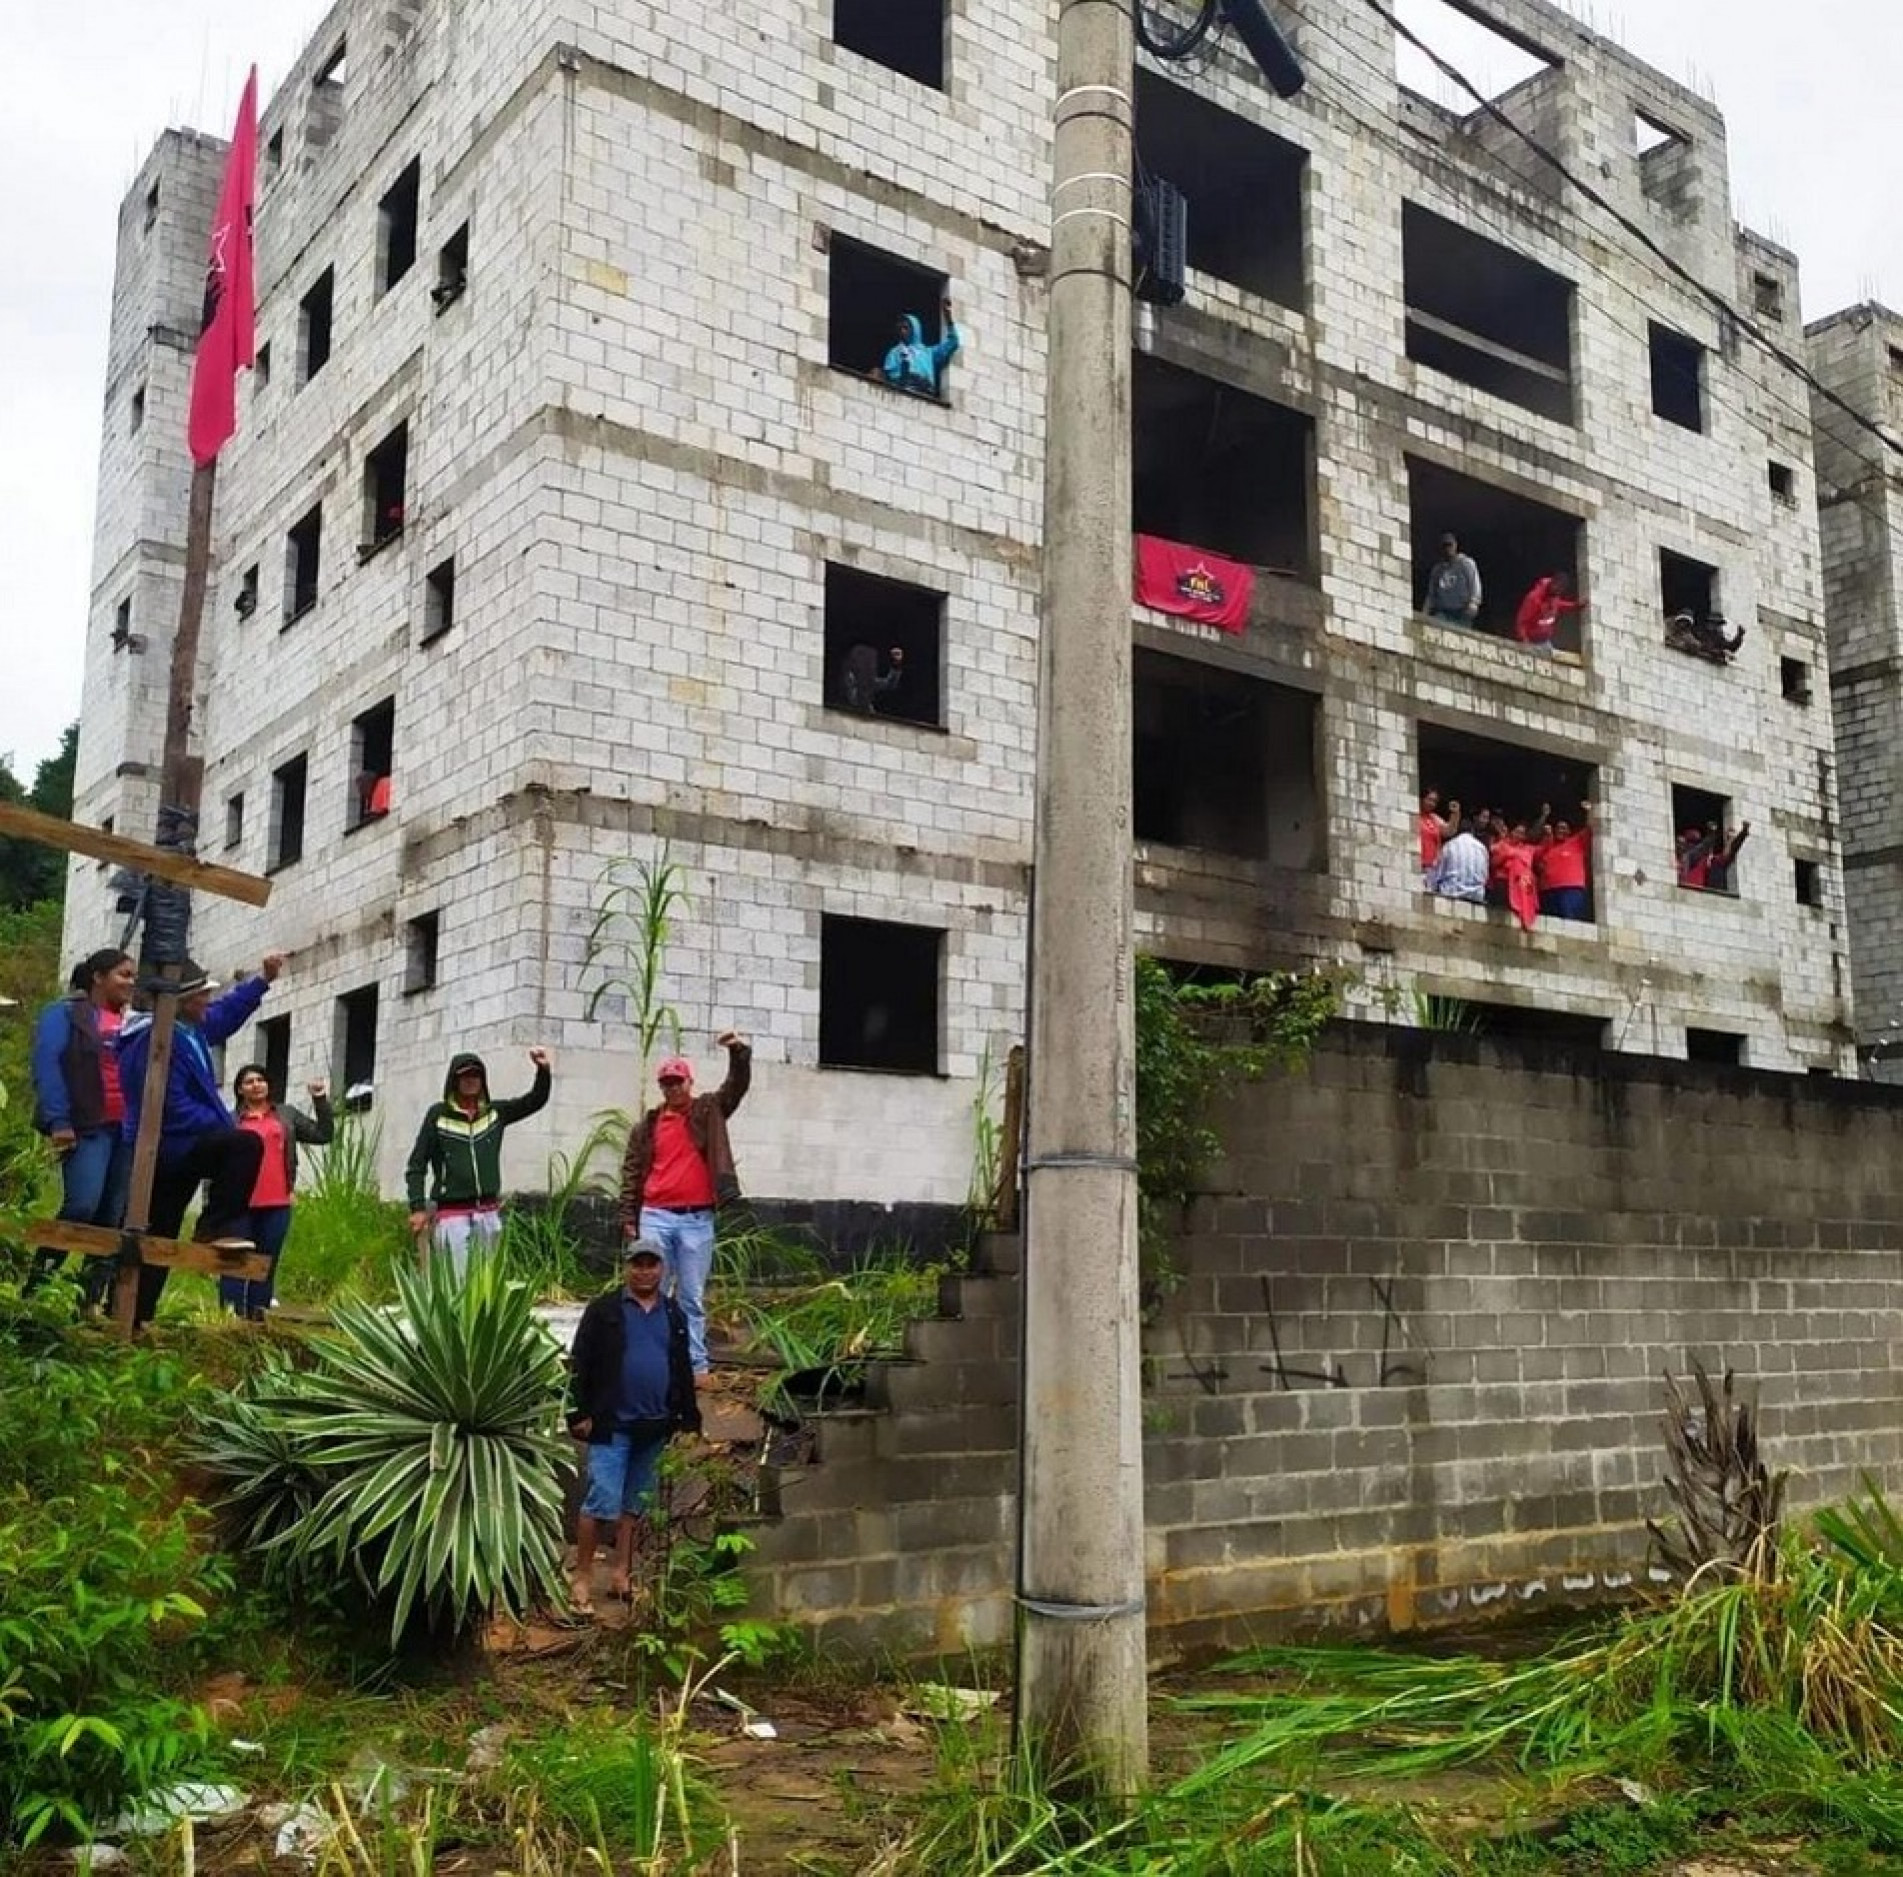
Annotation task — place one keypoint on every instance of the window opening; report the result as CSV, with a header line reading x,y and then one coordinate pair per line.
x,y
261,367
314,325
247,601
274,151
874,301
137,415
1678,378
151,208
396,225
879,995
439,600
452,270
1767,296
1487,316
303,553
1706,841
1218,468
287,813
234,819
1783,480
1794,680
884,647
385,478
1499,62
1807,882
355,1044
274,1053
122,625
1723,1047
1694,622
372,757
905,36
421,937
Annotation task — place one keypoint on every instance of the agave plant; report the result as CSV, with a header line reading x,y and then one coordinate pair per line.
x,y
420,1455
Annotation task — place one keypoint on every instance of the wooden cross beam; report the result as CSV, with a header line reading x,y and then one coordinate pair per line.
x,y
105,1241
164,862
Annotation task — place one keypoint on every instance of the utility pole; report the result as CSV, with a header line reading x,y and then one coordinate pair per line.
x,y
1082,1699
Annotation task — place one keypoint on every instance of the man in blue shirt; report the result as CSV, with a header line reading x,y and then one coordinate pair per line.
x,y
631,1388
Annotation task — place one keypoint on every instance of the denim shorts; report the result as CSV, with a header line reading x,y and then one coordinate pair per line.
x,y
622,1475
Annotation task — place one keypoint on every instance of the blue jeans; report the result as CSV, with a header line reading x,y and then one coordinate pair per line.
x,y
241,1296
688,1240
94,1177
622,1475
1564,902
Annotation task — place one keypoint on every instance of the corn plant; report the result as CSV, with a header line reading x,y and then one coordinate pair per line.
x,y
628,944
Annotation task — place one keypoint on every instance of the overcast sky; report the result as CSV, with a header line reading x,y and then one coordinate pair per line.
x,y
90,84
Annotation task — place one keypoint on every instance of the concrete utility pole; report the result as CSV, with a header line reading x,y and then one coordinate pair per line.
x,y
1081,1688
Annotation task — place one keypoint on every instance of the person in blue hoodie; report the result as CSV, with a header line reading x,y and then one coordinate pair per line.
x,y
199,1140
914,366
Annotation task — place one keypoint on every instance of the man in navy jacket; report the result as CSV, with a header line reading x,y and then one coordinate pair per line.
x,y
199,1140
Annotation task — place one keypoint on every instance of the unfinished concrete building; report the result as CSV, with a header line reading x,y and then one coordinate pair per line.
x,y
566,505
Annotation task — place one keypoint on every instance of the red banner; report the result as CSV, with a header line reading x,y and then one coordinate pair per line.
x,y
227,334
1186,580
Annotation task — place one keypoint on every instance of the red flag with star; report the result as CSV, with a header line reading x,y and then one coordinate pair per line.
x,y
228,331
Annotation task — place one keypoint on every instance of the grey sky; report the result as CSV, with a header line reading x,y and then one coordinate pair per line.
x,y
90,84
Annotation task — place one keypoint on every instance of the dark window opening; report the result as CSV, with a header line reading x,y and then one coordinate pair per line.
x,y
287,813
334,70
355,1044
274,151
396,226
122,625
234,819
1487,316
303,552
1224,763
868,293
1513,542
878,995
1504,785
905,36
385,477
439,600
1705,842
274,1053
99,866
372,757
1218,468
137,415
151,208
420,940
1694,621
1525,1023
247,601
1678,378
1807,882
1243,187
261,368
1783,480
1719,1046
452,270
884,647
1767,296
313,325
1794,680
1896,359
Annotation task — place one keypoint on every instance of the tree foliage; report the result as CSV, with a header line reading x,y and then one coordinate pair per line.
x,y
29,872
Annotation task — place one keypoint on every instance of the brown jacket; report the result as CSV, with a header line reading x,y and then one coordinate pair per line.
x,y
706,1124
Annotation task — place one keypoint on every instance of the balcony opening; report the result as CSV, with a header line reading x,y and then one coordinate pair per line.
x,y
1723,1047
869,295
439,600
1221,469
905,36
246,602
234,819
1694,622
1487,316
884,647
452,270
1706,841
303,556
372,757
1807,882
288,782
421,940
274,1054
1525,1023
1224,762
354,1043
1496,787
1514,543
396,226
1678,378
1783,480
879,989
1794,680
385,491
1243,187
314,313
1497,61
1668,171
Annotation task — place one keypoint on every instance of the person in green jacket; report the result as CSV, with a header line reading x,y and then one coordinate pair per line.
x,y
458,1153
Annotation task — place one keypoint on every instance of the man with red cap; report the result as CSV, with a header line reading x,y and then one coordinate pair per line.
x,y
677,1169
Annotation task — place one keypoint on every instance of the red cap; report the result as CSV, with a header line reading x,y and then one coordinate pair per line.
x,y
675,1069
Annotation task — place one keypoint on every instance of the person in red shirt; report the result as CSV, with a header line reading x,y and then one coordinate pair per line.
x,y
1435,829
1538,618
283,1129
1513,857
1563,864
677,1169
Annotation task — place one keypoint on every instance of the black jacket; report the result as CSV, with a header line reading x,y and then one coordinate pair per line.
x,y
594,1364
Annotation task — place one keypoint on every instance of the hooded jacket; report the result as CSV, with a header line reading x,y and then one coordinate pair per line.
x,y
194,1103
460,1155
913,365
706,1127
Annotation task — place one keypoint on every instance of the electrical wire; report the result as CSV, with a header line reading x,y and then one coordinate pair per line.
x,y
1181,43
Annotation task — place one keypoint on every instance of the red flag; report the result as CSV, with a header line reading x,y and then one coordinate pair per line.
x,y
228,331
1178,579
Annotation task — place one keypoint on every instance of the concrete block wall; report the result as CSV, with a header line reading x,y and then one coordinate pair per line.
x,y
1412,1373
